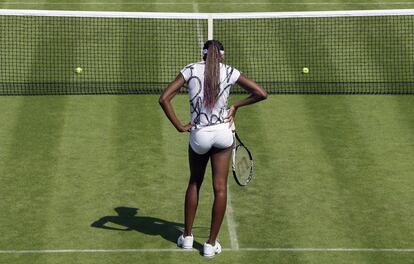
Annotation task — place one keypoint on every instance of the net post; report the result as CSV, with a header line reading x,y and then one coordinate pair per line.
x,y
210,27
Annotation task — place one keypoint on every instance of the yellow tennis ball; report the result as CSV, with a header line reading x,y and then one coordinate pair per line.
x,y
78,70
305,70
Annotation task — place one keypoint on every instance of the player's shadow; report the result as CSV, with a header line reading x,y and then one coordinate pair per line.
x,y
128,220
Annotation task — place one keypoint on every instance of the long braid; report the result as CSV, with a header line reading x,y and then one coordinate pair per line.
x,y
212,75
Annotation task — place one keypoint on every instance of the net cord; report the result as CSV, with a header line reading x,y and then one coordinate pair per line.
x,y
250,15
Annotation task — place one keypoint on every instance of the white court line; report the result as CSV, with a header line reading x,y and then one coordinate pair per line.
x,y
57,251
155,250
210,3
231,224
331,249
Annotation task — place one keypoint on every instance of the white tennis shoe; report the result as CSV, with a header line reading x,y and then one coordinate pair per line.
x,y
210,251
185,242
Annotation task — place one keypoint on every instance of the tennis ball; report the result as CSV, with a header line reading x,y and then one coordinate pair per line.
x,y
305,70
78,70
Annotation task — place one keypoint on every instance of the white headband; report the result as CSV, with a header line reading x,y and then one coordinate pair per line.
x,y
205,51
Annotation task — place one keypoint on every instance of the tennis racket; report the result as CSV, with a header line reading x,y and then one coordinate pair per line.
x,y
242,163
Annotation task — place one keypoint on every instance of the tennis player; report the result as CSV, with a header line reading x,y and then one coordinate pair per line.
x,y
211,137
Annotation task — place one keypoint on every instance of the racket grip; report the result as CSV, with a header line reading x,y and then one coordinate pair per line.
x,y
233,127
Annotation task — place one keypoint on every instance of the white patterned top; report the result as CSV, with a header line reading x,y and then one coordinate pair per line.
x,y
194,76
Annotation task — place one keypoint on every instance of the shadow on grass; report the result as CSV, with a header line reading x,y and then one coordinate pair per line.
x,y
128,220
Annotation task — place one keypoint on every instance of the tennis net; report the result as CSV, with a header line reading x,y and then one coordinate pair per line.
x,y
71,52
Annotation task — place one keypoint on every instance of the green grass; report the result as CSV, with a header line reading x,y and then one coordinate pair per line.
x,y
331,171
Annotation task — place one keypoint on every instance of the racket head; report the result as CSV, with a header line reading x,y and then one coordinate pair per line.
x,y
242,165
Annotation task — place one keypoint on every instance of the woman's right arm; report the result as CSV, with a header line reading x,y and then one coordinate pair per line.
x,y
257,93
165,102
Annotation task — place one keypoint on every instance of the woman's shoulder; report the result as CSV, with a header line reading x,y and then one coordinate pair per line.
x,y
227,66
231,74
194,64
192,69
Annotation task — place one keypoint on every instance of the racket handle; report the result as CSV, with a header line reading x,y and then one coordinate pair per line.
x,y
233,127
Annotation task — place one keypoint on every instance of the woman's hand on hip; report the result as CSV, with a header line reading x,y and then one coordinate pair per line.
x,y
231,115
185,128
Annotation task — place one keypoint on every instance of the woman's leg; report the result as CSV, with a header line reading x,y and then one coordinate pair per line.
x,y
198,165
220,162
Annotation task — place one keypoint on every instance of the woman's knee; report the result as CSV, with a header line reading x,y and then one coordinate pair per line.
x,y
220,188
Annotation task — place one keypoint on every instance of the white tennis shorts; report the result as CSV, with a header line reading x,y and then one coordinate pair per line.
x,y
203,139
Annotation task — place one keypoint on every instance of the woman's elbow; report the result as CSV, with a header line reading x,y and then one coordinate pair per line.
x,y
162,101
262,95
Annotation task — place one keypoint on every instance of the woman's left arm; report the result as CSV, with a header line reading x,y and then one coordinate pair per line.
x,y
165,102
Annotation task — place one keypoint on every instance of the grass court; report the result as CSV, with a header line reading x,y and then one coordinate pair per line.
x,y
101,178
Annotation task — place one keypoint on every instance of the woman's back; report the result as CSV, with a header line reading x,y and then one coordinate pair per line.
x,y
201,115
